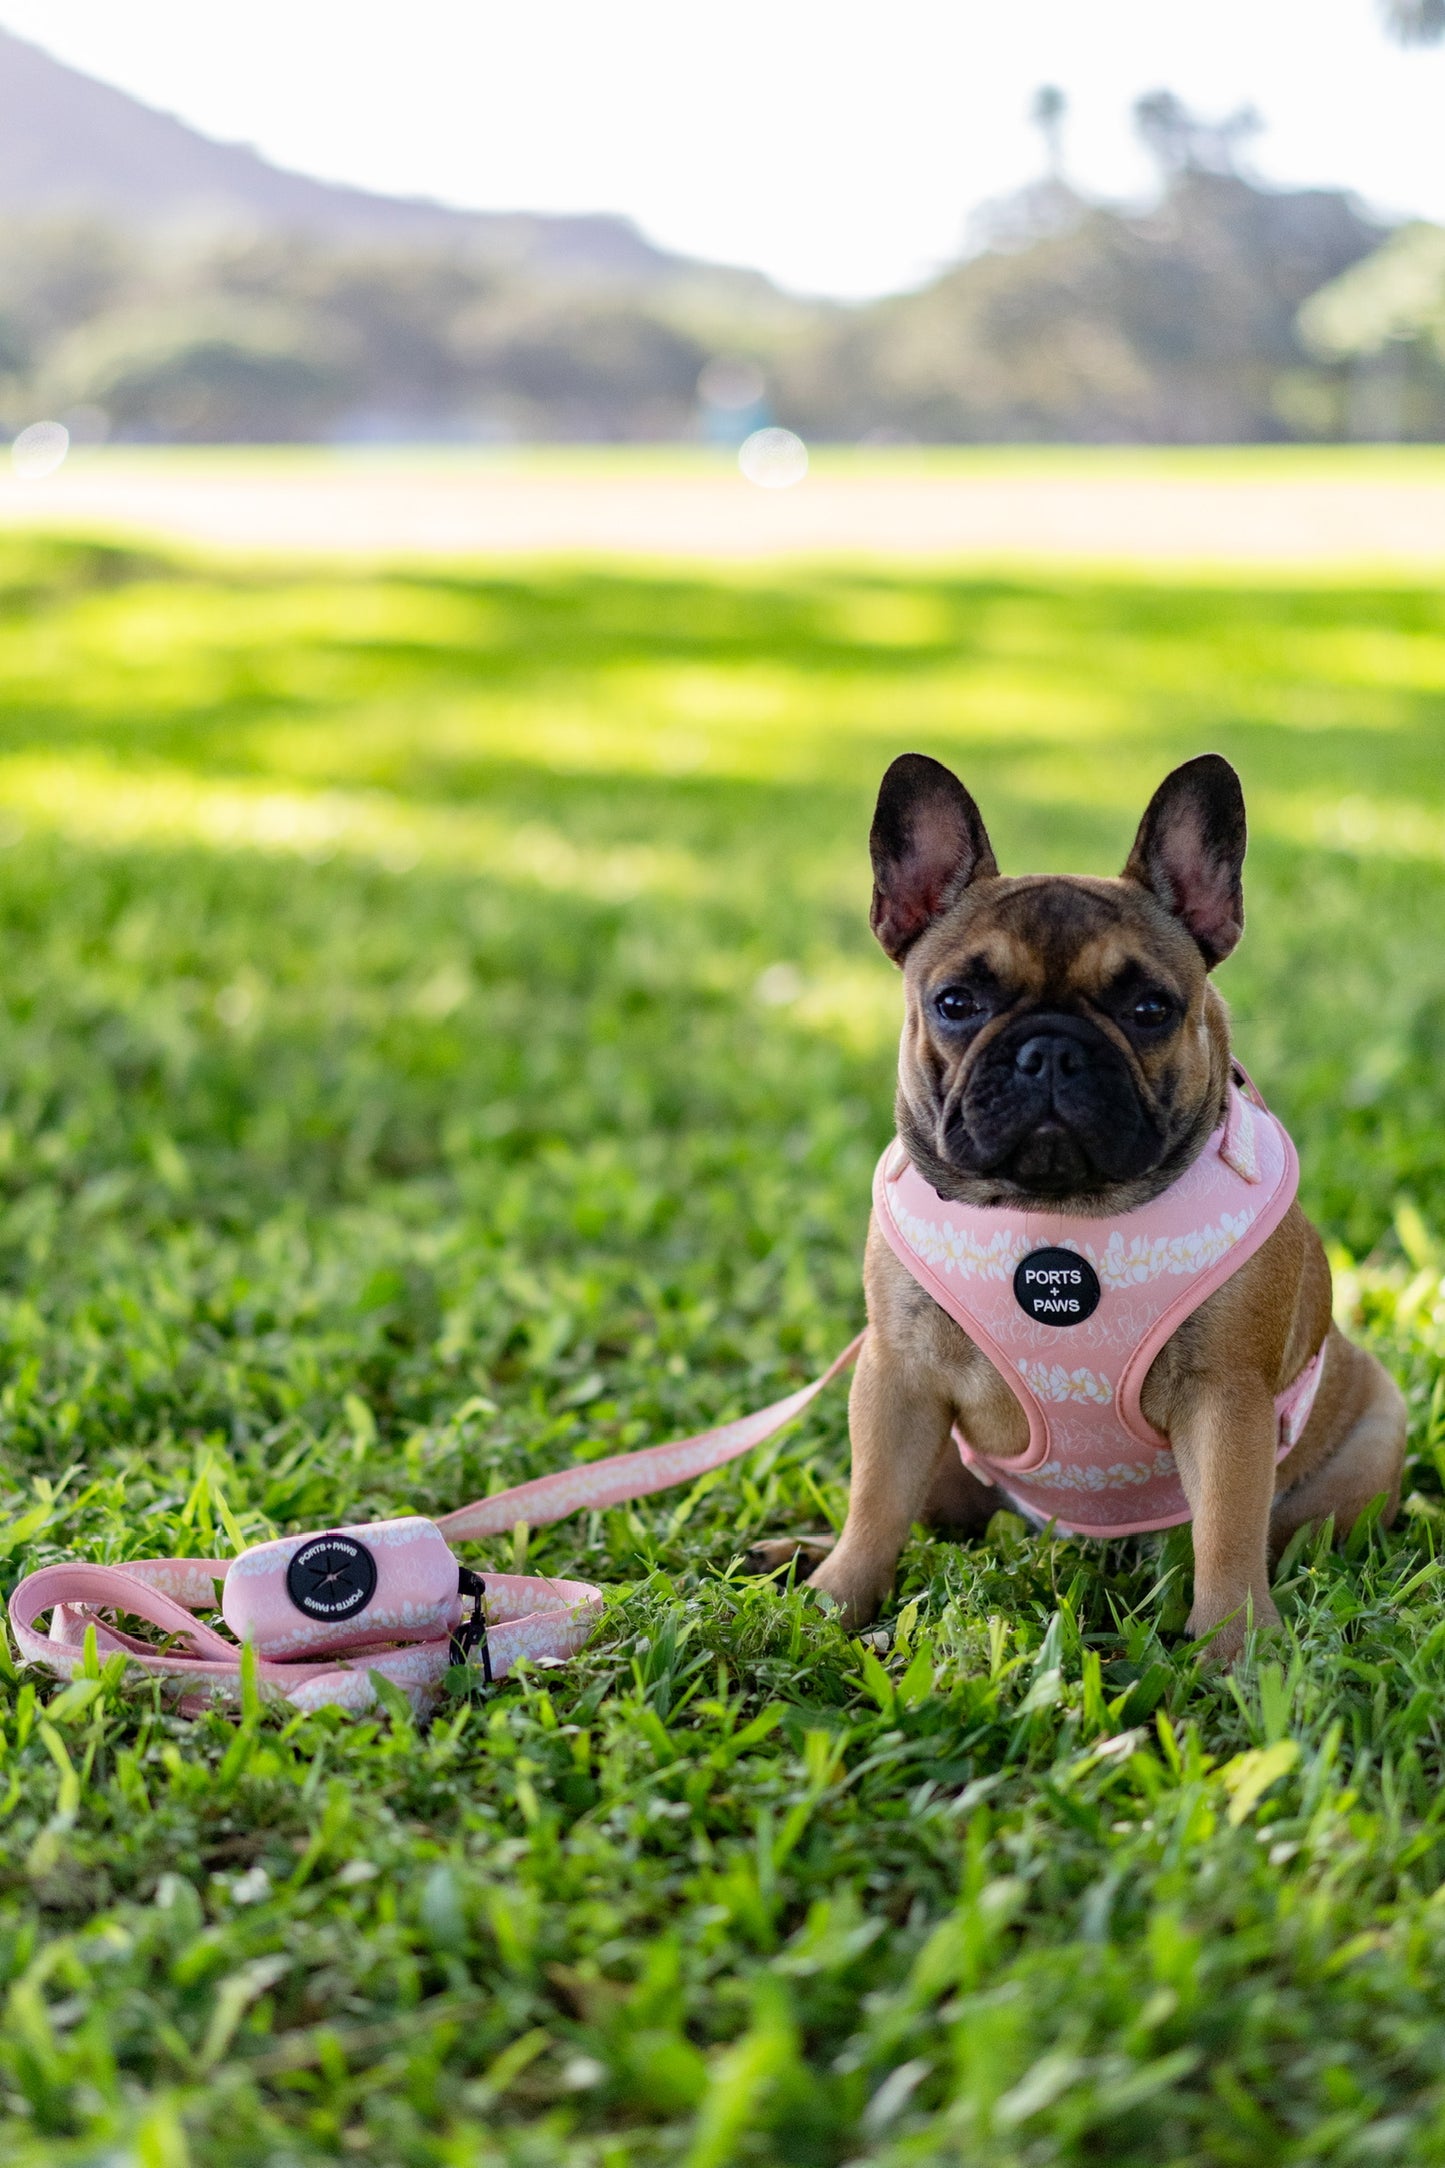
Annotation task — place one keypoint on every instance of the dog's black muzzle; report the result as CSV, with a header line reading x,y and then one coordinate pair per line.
x,y
1052,1105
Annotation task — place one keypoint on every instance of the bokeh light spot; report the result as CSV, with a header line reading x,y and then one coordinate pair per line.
x,y
39,450
773,458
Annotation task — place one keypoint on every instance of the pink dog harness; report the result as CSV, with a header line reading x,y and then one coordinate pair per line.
x,y
1072,1311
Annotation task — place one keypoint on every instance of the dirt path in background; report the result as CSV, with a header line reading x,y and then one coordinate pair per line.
x,y
398,505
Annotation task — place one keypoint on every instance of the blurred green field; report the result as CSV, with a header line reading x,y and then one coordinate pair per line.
x,y
441,1037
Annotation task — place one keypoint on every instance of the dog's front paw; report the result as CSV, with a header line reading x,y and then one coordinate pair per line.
x,y
1229,1626
857,1591
779,1552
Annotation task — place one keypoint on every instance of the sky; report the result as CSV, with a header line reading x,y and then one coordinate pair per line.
x,y
838,146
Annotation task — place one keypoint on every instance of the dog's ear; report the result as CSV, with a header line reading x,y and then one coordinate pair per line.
x,y
928,842
1190,850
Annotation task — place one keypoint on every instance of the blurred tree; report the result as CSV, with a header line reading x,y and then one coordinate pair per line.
x,y
1184,142
55,274
1170,326
1398,293
386,323
1047,114
14,345
1379,334
199,375
1415,22
579,368
1164,126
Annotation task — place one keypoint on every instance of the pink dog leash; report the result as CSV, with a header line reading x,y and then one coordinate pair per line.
x,y
324,1612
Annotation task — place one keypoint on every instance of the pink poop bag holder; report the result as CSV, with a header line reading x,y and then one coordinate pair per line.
x,y
326,1614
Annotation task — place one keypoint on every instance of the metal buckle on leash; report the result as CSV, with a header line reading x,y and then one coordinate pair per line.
x,y
471,1633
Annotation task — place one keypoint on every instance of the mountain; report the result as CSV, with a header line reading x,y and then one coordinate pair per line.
x,y
71,145
297,309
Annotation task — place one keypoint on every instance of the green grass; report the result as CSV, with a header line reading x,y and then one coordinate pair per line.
x,y
441,1038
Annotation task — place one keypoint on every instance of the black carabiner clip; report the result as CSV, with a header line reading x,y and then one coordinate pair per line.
x,y
471,1633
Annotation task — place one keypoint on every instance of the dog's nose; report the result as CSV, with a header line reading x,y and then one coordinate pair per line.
x,y
1049,1054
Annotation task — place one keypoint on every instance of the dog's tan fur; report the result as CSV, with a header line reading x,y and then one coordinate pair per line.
x,y
1212,1388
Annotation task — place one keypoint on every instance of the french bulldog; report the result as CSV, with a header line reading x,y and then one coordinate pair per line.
x,y
1064,1047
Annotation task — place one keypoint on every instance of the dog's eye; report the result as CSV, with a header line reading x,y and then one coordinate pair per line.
x,y
956,1004
1150,1010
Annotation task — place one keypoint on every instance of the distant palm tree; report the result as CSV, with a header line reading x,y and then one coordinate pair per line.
x,y
1168,128
1047,114
1415,22
1182,141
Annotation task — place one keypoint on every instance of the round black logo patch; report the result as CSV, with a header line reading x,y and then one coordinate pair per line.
x,y
1056,1287
331,1577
